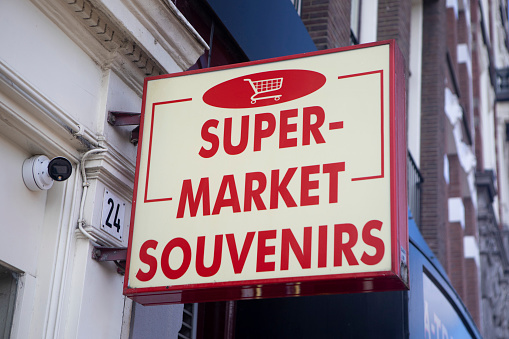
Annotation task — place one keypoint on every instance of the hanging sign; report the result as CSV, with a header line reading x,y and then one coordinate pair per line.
x,y
272,178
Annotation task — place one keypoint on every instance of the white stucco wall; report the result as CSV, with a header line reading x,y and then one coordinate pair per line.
x,y
56,80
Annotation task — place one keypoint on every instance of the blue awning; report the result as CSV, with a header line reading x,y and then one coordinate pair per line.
x,y
264,28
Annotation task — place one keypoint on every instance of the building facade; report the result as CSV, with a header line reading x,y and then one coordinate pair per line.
x,y
67,64
71,83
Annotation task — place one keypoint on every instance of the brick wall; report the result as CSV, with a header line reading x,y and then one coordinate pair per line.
x,y
456,264
452,42
434,216
455,180
394,23
471,227
472,270
475,32
328,22
472,299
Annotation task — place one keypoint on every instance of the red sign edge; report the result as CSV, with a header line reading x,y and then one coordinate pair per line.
x,y
398,149
396,279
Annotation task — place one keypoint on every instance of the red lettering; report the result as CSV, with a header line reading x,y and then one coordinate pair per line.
x,y
277,188
187,195
340,247
309,128
227,182
260,132
303,255
239,261
251,194
212,138
165,258
306,185
313,118
285,128
200,254
372,241
254,185
244,133
345,238
322,246
147,259
333,169
264,250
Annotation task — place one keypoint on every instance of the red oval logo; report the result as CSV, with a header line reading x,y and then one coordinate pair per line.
x,y
264,88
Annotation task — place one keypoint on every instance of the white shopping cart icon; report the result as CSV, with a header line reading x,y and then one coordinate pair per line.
x,y
264,86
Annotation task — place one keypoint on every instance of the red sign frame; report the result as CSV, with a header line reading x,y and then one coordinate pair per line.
x,y
394,279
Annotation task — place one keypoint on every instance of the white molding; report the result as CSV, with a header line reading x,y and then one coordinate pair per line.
x,y
36,123
414,83
119,54
170,30
456,211
369,20
24,304
107,170
32,120
103,237
66,20
465,153
471,249
464,57
141,39
114,172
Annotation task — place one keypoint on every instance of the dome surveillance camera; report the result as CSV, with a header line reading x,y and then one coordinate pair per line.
x,y
59,169
39,172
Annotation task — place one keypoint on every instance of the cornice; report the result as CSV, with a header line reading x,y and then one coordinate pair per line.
x,y
169,29
113,171
135,39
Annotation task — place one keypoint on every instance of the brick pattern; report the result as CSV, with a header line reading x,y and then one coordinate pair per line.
x,y
477,126
463,31
452,42
471,227
472,270
328,22
339,23
472,300
458,180
464,76
455,176
462,272
434,214
394,23
456,264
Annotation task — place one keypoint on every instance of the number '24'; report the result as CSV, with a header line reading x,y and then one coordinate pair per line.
x,y
116,220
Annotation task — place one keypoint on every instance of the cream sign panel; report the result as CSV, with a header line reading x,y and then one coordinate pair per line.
x,y
274,172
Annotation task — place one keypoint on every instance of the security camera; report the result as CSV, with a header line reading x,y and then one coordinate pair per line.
x,y
39,172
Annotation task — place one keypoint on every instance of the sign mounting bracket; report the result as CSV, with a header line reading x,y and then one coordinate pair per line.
x,y
116,254
119,118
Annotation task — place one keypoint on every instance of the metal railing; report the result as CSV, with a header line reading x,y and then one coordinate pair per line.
x,y
414,182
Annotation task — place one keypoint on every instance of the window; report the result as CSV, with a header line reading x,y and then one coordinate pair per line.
x,y
355,22
8,288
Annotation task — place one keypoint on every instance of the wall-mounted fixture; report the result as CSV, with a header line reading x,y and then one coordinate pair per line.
x,y
39,172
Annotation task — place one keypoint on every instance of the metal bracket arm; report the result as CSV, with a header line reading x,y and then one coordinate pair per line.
x,y
116,254
116,118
